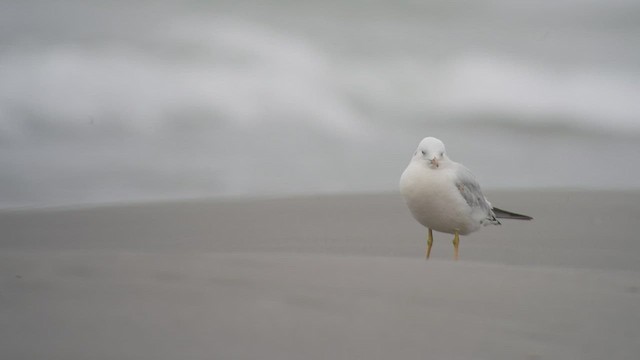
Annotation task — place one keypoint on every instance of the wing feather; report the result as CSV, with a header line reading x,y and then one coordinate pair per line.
x,y
470,190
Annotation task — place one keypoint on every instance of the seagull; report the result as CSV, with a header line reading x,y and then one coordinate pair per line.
x,y
444,196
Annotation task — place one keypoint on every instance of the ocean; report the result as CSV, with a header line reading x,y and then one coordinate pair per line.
x,y
112,101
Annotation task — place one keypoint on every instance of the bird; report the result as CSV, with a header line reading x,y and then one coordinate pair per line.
x,y
445,196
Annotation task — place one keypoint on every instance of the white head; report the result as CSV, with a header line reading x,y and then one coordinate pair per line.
x,y
431,151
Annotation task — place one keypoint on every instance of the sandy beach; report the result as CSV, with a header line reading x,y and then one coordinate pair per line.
x,y
324,277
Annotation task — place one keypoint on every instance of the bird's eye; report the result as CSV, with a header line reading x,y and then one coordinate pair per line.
x,y
442,154
422,151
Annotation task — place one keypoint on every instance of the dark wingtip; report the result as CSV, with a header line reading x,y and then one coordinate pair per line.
x,y
503,214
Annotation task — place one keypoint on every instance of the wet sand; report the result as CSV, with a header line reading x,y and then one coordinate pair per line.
x,y
330,277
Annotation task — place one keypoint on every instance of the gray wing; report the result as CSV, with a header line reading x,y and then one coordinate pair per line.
x,y
472,194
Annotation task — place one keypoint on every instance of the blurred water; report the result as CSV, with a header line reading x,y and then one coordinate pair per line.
x,y
119,101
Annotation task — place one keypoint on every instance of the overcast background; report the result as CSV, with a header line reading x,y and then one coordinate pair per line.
x,y
106,101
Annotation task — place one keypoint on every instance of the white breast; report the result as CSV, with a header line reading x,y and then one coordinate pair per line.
x,y
434,200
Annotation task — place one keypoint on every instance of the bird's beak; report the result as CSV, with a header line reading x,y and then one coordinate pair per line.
x,y
434,162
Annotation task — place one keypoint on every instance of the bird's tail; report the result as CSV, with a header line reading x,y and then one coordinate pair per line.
x,y
503,214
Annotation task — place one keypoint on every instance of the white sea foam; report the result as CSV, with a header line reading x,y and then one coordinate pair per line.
x,y
589,98
245,73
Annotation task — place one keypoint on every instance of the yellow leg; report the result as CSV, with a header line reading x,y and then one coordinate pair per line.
x,y
429,243
456,243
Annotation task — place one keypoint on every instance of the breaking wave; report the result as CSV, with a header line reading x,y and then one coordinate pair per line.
x,y
244,74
